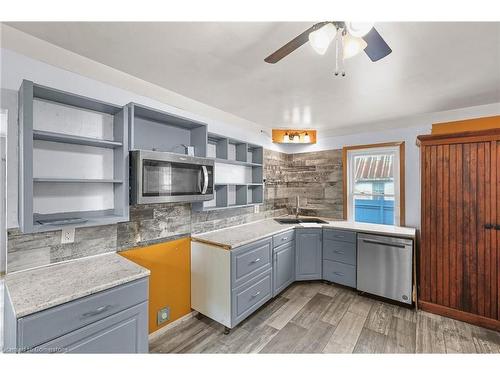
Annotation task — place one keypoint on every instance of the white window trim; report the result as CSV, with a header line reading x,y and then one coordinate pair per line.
x,y
397,181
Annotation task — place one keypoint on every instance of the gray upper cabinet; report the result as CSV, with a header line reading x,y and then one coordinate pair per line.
x,y
73,160
308,246
153,129
239,174
283,267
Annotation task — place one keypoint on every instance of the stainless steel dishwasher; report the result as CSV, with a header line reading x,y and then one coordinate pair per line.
x,y
385,266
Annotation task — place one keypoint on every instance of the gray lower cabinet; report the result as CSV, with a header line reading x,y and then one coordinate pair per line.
x,y
111,321
251,278
119,333
308,258
283,266
339,256
250,296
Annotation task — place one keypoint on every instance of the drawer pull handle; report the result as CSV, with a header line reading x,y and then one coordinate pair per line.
x,y
338,236
99,310
338,252
255,295
338,273
284,238
256,260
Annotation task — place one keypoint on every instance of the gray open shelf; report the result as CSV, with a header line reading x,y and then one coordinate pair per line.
x,y
153,129
233,153
42,135
77,180
30,221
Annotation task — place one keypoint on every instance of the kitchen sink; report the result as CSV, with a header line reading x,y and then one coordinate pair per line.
x,y
300,220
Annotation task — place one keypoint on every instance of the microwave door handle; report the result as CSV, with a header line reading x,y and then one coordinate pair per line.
x,y
200,189
205,179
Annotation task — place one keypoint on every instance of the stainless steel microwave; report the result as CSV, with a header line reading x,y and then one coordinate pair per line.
x,y
162,177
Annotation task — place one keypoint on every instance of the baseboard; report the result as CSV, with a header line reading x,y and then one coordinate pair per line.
x,y
168,327
460,315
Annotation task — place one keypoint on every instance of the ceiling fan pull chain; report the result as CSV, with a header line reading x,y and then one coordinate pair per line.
x,y
341,51
337,55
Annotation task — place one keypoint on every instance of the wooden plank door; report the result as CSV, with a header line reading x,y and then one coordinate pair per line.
x,y
458,260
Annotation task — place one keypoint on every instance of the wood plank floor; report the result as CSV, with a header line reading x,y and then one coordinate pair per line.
x,y
315,317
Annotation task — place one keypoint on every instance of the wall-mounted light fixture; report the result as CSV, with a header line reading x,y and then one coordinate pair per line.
x,y
304,136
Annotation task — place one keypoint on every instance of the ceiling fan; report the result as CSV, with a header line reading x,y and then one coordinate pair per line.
x,y
350,39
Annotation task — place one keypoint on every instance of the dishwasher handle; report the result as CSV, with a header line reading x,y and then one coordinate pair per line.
x,y
384,243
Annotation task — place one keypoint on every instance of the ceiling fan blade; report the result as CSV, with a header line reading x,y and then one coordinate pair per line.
x,y
377,48
293,44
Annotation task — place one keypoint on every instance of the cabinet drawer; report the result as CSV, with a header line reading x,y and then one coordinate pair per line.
x,y
281,238
339,273
339,251
124,332
46,325
339,235
250,260
250,296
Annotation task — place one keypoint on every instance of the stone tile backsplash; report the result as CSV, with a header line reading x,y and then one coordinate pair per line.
x,y
316,177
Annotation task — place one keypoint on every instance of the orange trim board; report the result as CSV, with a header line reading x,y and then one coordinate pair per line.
x,y
170,279
482,123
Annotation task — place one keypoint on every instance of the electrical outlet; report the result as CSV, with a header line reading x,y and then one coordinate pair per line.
x,y
163,315
68,235
256,209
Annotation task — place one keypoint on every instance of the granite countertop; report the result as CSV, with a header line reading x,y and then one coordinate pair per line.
x,y
239,235
35,290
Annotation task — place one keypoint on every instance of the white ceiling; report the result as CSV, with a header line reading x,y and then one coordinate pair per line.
x,y
433,67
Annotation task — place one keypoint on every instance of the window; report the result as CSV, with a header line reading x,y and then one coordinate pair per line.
x,y
374,183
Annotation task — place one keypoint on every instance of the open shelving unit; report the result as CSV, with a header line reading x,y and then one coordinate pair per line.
x,y
155,130
73,160
238,174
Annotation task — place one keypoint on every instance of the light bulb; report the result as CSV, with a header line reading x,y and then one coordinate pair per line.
x,y
353,46
359,29
286,138
307,138
321,38
296,138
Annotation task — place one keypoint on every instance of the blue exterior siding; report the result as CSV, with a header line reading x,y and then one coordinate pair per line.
x,y
377,211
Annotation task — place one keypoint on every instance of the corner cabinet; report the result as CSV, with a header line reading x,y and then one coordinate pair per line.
x,y
73,160
308,247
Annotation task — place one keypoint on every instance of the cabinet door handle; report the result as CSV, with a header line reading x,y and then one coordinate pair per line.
x,y
338,273
99,310
489,226
255,295
338,252
256,260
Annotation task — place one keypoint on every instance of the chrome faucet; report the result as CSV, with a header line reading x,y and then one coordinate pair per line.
x,y
297,208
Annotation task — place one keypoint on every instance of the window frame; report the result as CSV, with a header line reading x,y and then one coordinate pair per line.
x,y
348,153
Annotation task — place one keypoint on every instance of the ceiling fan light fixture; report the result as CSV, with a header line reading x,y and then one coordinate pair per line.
x,y
320,39
359,29
352,46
